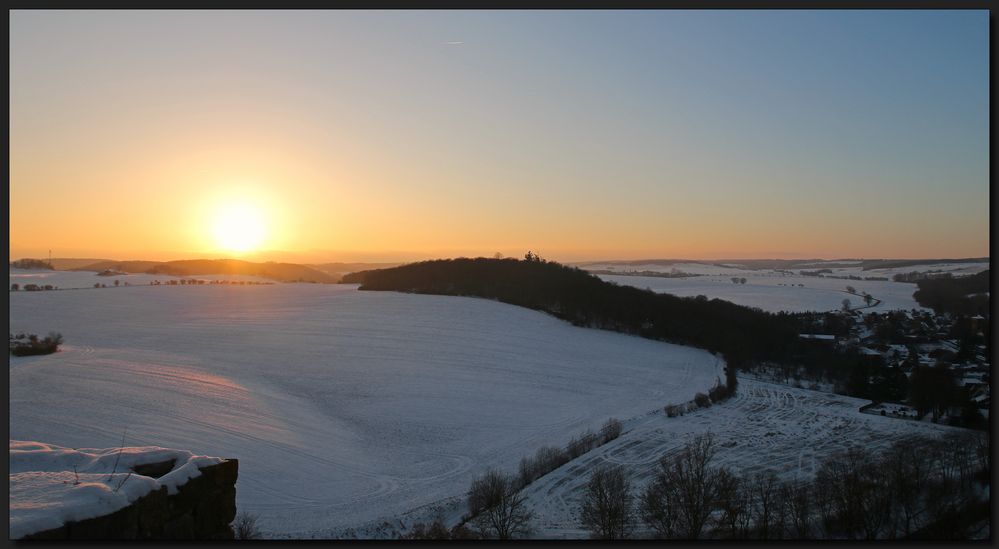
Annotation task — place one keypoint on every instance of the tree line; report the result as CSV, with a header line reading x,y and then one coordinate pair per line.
x,y
964,295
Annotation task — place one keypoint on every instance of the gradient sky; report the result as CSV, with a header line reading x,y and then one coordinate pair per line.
x,y
580,135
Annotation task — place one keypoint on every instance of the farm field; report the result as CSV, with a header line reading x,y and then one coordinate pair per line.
x,y
73,280
343,407
764,426
774,292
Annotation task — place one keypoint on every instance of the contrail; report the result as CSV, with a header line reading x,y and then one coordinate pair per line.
x,y
456,43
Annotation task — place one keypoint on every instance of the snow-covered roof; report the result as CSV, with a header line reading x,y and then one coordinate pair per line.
x,y
51,485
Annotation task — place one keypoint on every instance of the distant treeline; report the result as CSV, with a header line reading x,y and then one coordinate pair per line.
x,y
28,263
283,272
966,295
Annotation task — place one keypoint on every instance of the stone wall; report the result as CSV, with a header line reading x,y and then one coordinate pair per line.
x,y
203,508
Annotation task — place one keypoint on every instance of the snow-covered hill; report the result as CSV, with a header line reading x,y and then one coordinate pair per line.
x,y
342,406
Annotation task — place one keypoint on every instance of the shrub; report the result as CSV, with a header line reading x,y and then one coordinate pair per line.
x,y
673,410
31,345
719,392
611,430
549,458
437,530
702,400
245,526
581,444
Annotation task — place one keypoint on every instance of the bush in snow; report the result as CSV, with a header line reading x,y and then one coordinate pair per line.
x,y
30,345
245,526
611,430
437,530
581,444
702,400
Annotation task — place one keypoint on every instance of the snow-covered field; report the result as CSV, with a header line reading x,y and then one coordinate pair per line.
x,y
764,426
774,292
86,279
711,269
956,269
690,268
342,406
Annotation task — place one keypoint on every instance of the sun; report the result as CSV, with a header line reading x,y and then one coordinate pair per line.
x,y
239,227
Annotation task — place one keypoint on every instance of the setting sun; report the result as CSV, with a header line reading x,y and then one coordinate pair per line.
x,y
239,227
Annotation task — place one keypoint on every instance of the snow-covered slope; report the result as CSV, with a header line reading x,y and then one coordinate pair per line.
x,y
342,406
764,426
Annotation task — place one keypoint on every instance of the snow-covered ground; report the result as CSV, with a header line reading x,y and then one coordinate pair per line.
x,y
764,426
774,291
956,269
727,269
66,280
342,406
51,485
690,268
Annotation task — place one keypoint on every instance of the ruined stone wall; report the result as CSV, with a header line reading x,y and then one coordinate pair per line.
x,y
203,508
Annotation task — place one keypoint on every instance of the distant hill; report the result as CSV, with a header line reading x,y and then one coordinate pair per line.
x,y
740,333
339,269
123,266
283,272
71,263
29,263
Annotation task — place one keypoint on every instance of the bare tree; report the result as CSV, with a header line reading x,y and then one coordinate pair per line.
x,y
685,491
245,526
908,472
799,508
498,506
858,502
769,512
735,506
606,510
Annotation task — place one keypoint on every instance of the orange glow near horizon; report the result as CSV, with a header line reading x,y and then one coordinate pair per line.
x,y
321,137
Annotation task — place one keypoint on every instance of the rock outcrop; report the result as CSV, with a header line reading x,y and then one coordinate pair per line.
x,y
203,508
